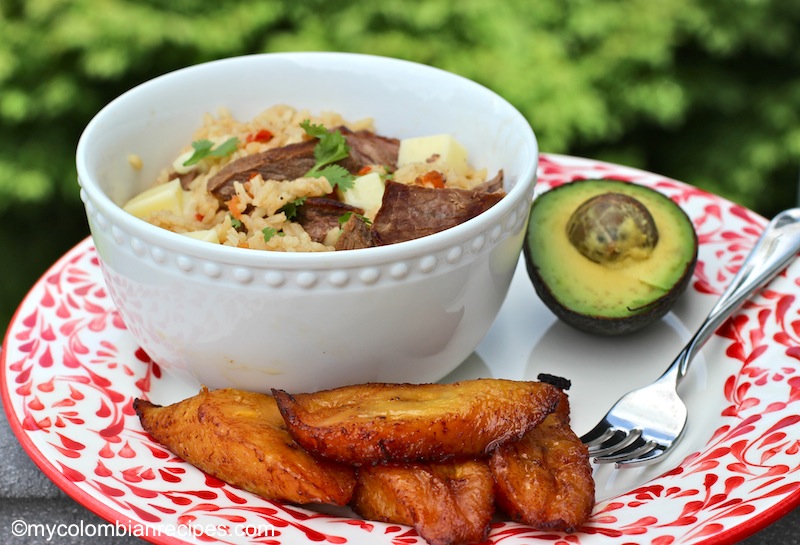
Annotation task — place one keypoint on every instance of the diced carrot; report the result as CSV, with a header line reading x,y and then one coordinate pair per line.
x,y
233,206
432,178
365,170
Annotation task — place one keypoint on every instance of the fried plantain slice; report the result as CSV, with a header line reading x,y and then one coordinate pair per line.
x,y
447,503
241,438
545,479
378,422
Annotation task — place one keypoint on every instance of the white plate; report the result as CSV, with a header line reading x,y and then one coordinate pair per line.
x,y
70,371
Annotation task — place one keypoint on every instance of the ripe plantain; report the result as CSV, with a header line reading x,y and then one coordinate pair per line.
x,y
379,423
545,479
241,438
447,503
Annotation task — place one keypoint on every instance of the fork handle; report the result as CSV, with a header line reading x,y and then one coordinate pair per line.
x,y
778,244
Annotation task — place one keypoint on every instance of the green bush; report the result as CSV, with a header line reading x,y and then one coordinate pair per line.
x,y
700,90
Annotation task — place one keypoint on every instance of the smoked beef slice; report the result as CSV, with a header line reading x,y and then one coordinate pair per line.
x,y
356,234
318,215
411,211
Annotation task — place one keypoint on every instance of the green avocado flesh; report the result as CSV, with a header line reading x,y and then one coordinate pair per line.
x,y
618,263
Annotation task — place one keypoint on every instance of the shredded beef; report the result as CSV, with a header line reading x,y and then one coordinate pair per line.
x,y
286,163
368,148
318,215
410,211
187,179
491,186
356,234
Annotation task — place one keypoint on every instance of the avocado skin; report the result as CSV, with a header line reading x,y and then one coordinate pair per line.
x,y
602,325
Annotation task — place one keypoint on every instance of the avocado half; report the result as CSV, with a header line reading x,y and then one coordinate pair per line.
x,y
619,293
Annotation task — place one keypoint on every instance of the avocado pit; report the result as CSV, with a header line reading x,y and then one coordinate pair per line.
x,y
612,227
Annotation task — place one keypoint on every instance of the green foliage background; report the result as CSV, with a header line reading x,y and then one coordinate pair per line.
x,y
705,91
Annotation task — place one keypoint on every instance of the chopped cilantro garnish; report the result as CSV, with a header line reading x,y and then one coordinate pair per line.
x,y
337,176
270,232
290,209
205,148
331,147
235,223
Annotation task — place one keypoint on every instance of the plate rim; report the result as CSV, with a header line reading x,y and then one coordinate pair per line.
x,y
746,528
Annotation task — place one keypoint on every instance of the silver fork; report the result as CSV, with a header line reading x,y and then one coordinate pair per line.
x,y
646,423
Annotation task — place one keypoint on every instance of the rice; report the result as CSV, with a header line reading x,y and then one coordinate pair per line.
x,y
255,218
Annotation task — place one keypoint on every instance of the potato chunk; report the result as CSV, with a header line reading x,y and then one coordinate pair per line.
x,y
447,503
442,147
241,438
545,479
168,196
377,423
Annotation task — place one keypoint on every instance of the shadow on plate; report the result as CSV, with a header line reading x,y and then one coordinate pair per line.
x,y
472,367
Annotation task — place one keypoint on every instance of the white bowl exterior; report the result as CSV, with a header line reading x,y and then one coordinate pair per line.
x,y
222,316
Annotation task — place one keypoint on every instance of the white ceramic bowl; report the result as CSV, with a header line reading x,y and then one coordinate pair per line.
x,y
224,316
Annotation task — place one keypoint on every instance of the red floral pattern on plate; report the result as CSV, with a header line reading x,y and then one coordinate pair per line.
x,y
70,372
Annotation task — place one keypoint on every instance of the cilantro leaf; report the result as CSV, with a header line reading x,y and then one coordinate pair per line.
x,y
201,149
331,147
316,131
290,209
270,232
205,148
337,176
235,223
226,148
344,219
